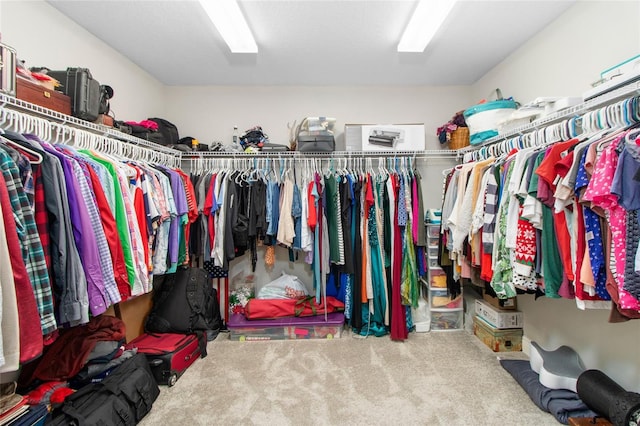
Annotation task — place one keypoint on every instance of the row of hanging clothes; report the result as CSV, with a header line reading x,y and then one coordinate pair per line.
x,y
552,212
358,225
83,227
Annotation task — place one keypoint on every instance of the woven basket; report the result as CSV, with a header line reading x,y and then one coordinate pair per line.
x,y
459,138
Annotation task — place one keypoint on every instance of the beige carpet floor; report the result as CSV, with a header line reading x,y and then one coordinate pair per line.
x,y
447,378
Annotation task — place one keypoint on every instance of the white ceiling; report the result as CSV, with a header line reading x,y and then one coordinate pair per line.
x,y
312,42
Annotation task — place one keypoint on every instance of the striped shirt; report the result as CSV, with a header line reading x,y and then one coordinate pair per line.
x,y
86,187
32,252
490,210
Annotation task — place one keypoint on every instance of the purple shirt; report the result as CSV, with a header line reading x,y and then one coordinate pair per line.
x,y
86,242
180,198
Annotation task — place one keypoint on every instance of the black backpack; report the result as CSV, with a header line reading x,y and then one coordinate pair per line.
x,y
184,302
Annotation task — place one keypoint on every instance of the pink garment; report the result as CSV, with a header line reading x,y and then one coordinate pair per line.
x,y
147,124
415,220
465,268
599,193
398,323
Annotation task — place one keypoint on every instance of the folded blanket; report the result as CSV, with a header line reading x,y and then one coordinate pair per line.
x,y
279,308
559,402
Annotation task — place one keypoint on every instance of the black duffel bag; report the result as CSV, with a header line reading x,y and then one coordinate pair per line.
x,y
123,398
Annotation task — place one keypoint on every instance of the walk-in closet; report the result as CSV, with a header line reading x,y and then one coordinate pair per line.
x,y
365,212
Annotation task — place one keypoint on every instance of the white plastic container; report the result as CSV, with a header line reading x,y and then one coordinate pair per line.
x,y
483,119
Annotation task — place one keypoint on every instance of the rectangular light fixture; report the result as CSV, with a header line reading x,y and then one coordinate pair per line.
x,y
425,22
230,23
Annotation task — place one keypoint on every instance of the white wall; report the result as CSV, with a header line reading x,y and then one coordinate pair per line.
x,y
569,54
563,60
209,113
43,36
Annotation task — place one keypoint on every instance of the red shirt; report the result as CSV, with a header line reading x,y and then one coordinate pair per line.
x,y
312,215
546,169
31,342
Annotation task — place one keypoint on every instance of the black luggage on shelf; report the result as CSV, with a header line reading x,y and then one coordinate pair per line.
x,y
84,91
167,130
274,147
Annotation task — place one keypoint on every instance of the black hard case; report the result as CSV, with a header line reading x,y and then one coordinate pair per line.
x,y
316,143
84,91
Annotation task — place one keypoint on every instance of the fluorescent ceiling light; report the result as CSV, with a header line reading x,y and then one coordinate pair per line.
x,y
230,23
425,22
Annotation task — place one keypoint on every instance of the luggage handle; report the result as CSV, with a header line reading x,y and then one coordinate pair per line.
x,y
155,362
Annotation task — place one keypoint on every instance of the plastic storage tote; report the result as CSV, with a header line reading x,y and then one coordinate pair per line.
x,y
483,119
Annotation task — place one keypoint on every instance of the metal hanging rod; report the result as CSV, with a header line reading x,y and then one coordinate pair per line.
x,y
21,106
434,153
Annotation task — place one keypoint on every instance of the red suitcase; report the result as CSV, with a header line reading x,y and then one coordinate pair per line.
x,y
169,354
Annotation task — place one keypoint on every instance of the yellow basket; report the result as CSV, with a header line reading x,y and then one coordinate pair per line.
x,y
459,138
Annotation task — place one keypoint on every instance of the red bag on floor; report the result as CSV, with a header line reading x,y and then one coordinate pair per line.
x,y
278,308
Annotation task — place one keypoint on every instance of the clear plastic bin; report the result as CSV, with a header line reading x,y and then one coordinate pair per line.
x,y
438,279
441,299
433,231
447,320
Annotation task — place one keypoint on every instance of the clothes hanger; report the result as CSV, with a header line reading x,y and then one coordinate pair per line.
x,y
3,116
19,147
632,136
632,111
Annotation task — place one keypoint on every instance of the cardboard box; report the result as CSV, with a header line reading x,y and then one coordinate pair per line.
x,y
506,340
589,421
497,318
510,303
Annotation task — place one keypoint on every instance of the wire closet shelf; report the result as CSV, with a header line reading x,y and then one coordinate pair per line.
x,y
576,113
46,123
